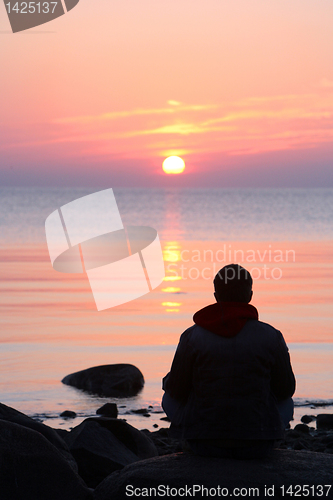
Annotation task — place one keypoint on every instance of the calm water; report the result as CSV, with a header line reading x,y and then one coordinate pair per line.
x,y
50,326
188,214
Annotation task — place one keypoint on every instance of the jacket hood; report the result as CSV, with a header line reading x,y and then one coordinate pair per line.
x,y
225,318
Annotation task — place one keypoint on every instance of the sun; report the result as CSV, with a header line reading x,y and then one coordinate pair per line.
x,y
173,165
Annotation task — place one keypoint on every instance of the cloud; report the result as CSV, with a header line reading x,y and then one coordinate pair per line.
x,y
175,107
244,127
174,103
179,128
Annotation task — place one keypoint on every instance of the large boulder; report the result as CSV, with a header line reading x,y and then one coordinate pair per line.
x,y
298,469
103,445
11,415
119,380
31,468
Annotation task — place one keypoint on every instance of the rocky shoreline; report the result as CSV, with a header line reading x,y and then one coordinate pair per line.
x,y
302,437
103,455
315,433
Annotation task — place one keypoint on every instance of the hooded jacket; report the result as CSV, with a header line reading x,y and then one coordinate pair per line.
x,y
229,371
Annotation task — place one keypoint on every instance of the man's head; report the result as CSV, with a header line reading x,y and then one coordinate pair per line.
x,y
233,283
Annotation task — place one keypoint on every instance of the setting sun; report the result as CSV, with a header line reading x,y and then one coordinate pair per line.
x,y
173,165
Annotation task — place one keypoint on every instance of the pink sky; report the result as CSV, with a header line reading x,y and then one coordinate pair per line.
x,y
243,91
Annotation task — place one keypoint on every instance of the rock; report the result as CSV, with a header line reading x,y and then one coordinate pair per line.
x,y
108,410
155,426
292,433
166,419
164,444
303,428
31,468
141,411
306,419
325,421
120,380
62,433
11,415
103,445
282,469
68,414
312,440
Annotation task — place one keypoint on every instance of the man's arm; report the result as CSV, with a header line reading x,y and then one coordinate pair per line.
x,y
283,382
178,382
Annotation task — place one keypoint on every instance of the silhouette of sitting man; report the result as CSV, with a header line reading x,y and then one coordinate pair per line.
x,y
229,389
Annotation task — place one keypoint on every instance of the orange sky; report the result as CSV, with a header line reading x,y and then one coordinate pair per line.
x,y
243,91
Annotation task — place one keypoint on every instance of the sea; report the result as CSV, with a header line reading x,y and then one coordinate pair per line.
x,y
50,326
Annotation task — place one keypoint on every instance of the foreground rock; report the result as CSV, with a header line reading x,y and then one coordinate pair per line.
x,y
103,445
165,445
119,380
31,468
282,469
11,415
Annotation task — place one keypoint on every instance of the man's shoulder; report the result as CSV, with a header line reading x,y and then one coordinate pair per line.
x,y
194,335
265,328
251,324
187,333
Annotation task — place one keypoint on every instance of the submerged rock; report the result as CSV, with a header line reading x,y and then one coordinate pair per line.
x,y
175,472
31,468
119,380
68,414
141,411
